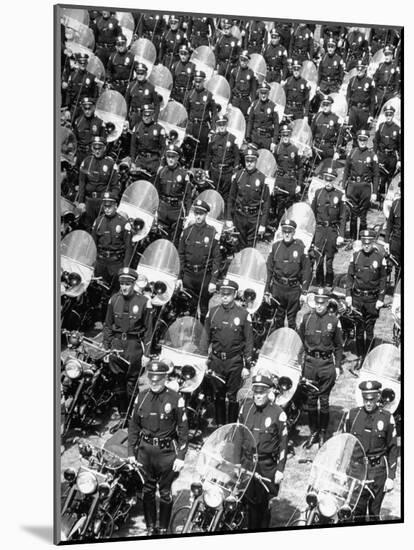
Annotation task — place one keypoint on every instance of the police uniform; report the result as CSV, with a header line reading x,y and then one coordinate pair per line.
x,y
85,128
147,145
268,424
229,331
262,122
325,130
275,56
226,51
301,44
381,37
386,80
106,31
183,75
243,85
285,32
151,27
360,97
335,33
198,31
171,41
119,70
322,338
139,94
81,83
393,230
248,202
157,436
297,97
255,36
366,284
330,73
356,49
387,145
288,274
377,434
128,326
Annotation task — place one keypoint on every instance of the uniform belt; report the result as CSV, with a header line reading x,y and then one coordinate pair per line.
x,y
109,254
148,155
174,201
248,209
120,80
196,268
360,179
360,105
125,335
135,109
199,120
84,148
218,166
289,173
375,460
198,33
105,45
294,103
263,132
327,224
239,95
94,195
223,355
319,354
162,443
358,292
287,281
388,151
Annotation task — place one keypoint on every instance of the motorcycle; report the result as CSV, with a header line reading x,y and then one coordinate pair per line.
x,y
99,497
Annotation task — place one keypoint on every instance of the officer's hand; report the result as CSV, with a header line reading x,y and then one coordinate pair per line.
x,y
178,465
387,248
132,460
318,88
271,396
229,224
297,189
272,147
339,240
398,166
212,288
370,120
262,229
278,477
348,301
302,298
346,120
267,298
379,304
373,197
81,207
179,284
338,372
145,360
389,485
64,85
336,156
305,118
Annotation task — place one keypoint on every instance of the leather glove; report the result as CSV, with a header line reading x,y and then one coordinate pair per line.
x,y
81,207
339,240
245,373
302,298
305,118
272,147
179,284
212,288
262,229
336,156
229,223
373,197
178,465
379,304
398,165
297,189
278,477
389,485
348,301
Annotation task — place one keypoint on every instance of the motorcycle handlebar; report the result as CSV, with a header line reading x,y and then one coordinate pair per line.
x,y
214,375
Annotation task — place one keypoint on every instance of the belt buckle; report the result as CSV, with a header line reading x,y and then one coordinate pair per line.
x,y
223,355
94,195
124,336
317,354
155,441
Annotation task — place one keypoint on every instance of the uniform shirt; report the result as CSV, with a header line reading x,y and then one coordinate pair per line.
x,y
356,45
113,234
174,182
322,333
139,94
229,330
97,176
362,163
263,115
367,272
361,91
200,26
106,30
377,434
81,84
331,69
301,43
288,260
170,42
159,415
183,75
222,149
248,188
147,138
200,106
325,128
151,26
120,66
386,77
328,206
276,59
227,49
255,36
393,229
199,245
289,161
85,128
285,32
269,429
297,93
388,136
243,83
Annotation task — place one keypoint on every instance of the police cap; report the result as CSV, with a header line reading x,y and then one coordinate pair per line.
x,y
173,19
370,389
285,130
331,42
264,87
140,68
87,101
245,55
329,174
321,297
296,64
201,206
363,135
261,381
229,286
149,109
172,151
389,109
199,75
183,49
289,225
158,367
327,99
121,39
367,235
99,140
388,50
360,64
274,33
83,57
108,197
251,153
222,120
127,274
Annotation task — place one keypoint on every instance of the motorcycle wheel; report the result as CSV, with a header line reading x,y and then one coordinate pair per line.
x,y
68,520
106,528
178,520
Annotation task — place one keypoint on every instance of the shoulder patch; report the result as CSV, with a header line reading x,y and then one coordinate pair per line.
x,y
282,417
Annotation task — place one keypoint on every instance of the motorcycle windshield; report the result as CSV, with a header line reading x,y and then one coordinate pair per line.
x,y
236,32
111,107
236,124
174,117
95,66
126,21
396,304
345,81
375,62
220,89
66,207
266,163
257,64
185,335
302,137
204,59
68,145
144,51
383,364
73,18
227,462
310,73
162,80
339,106
140,202
392,193
338,472
278,96
396,103
80,39
248,269
304,217
77,255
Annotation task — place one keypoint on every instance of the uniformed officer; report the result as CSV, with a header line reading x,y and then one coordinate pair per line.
x,y
330,70
229,331
356,49
201,110
365,289
267,422
387,146
386,78
199,253
301,43
127,327
158,439
151,27
288,275
173,185
360,179
297,94
248,202
243,84
321,334
81,83
360,96
85,127
255,36
393,232
374,427
140,92
223,157
171,41
275,55
337,33
200,31
226,50
147,142
98,173
325,131
120,66
183,74
263,120
106,29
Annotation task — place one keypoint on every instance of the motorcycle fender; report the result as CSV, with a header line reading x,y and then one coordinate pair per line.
x,y
69,499
77,527
91,514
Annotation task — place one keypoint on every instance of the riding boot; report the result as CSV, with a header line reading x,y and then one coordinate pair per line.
x,y
324,421
354,370
329,279
233,411
320,277
314,429
165,515
150,513
220,406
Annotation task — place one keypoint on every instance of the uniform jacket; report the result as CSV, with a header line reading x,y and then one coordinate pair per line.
x,y
120,66
331,69
222,150
248,189
289,162
85,128
147,138
174,183
297,93
328,206
322,333
199,245
243,83
325,128
227,49
113,234
363,164
276,59
263,116
387,77
200,106
393,229
387,138
367,272
97,176
289,261
106,30
139,94
361,93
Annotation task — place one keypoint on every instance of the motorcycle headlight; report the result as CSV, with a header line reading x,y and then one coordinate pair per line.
x,y
344,512
213,496
73,369
230,503
312,499
188,372
327,506
160,287
285,383
387,395
87,483
69,474
249,295
196,489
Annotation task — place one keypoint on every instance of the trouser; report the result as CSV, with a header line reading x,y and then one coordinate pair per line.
x,y
395,249
258,498
197,285
274,75
172,218
325,242
247,225
360,196
387,164
280,202
372,495
201,132
289,300
383,95
108,270
92,211
364,326
157,468
295,110
320,372
126,387
104,53
225,68
199,40
328,87
262,142
230,370
326,151
243,103
150,165
120,87
222,181
358,119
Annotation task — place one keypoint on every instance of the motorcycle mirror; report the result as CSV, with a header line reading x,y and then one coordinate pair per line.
x,y
160,287
285,383
387,395
249,295
138,224
74,338
332,306
74,279
188,372
85,449
344,512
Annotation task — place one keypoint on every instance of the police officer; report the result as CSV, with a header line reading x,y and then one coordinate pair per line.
x,y
151,27
288,275
140,92
267,422
147,142
321,334
226,50
301,43
201,110
223,157
158,439
325,131
330,216
393,232
360,179
106,29
360,96
183,74
387,144
173,185
255,36
81,83
248,202
199,253
171,41
297,91
275,55
330,70
229,331
98,173
386,78
200,31
356,49
120,66
365,289
263,121
374,427
243,84
127,327
382,37
85,127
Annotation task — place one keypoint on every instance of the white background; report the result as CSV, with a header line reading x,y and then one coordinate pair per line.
x,y
26,388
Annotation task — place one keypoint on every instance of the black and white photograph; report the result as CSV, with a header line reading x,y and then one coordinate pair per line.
x,y
229,335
